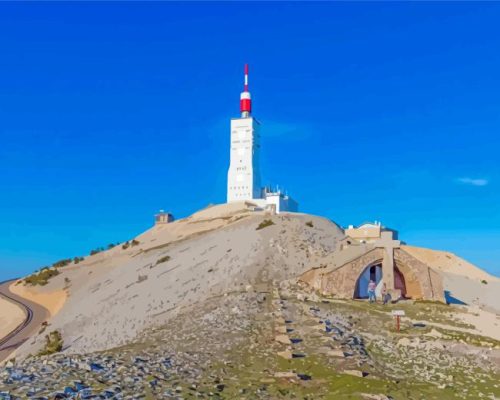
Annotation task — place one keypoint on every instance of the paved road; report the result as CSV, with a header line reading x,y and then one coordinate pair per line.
x,y
35,315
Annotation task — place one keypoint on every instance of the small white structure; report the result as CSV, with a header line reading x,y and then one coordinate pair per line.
x,y
163,217
243,177
281,201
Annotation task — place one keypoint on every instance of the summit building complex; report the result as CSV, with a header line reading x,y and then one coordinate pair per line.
x,y
243,178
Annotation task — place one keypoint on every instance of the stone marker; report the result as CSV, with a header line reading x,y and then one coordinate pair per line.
x,y
280,329
354,372
283,339
335,353
288,375
285,354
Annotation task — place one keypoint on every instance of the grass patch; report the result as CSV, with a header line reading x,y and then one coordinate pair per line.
x,y
309,224
264,224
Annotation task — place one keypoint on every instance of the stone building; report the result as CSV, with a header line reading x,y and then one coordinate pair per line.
x,y
346,272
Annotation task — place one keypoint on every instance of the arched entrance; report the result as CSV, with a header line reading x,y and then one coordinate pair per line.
x,y
372,272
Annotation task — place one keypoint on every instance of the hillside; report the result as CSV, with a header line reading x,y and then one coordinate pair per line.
x,y
115,294
444,261
463,282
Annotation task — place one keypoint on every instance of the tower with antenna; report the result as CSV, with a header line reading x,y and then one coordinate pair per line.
x,y
243,178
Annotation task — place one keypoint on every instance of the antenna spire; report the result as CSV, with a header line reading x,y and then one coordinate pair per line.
x,y
245,98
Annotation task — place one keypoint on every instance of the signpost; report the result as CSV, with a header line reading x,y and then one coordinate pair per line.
x,y
398,314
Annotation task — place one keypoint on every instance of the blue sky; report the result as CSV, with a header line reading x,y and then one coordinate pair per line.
x,y
111,111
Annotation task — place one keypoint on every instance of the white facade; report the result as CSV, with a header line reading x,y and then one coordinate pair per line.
x,y
243,177
281,201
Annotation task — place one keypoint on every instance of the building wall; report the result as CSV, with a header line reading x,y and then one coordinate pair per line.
x,y
243,181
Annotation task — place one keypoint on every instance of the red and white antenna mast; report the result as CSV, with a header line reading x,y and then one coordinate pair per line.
x,y
245,98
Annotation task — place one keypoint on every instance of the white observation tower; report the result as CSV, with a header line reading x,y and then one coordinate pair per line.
x,y
243,178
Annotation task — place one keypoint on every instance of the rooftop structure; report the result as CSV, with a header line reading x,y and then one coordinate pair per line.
x,y
370,232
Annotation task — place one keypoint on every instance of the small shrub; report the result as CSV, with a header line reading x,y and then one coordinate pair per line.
x,y
484,282
125,245
67,280
309,224
264,224
77,260
111,245
53,343
134,243
162,259
142,278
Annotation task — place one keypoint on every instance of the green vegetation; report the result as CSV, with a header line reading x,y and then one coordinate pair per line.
x,y
62,263
162,259
77,260
96,250
309,224
41,278
134,243
125,245
264,224
53,343
484,282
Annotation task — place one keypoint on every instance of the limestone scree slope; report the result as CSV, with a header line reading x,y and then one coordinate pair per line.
x,y
114,295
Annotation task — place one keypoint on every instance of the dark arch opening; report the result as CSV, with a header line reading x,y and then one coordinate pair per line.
x,y
371,272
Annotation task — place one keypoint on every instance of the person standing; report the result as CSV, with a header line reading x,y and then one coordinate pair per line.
x,y
371,291
386,297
